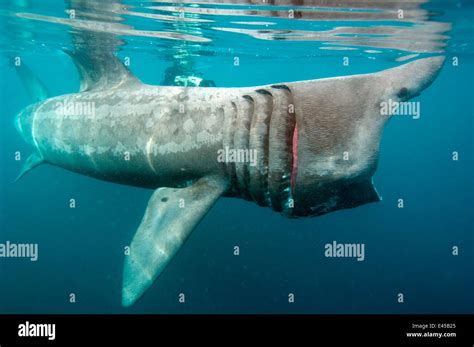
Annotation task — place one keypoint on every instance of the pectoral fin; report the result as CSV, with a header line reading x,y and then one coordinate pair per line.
x,y
170,217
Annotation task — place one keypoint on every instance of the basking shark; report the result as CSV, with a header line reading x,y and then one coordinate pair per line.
x,y
316,145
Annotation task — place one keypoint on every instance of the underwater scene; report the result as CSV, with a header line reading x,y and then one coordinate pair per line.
x,y
237,156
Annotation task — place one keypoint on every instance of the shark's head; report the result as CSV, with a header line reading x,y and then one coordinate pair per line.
x,y
339,124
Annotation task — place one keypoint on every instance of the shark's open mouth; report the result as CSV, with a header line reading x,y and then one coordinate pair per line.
x,y
294,167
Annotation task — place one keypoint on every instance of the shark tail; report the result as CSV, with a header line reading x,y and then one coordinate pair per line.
x,y
34,160
36,90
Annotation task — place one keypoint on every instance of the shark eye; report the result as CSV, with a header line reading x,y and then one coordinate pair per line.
x,y
402,93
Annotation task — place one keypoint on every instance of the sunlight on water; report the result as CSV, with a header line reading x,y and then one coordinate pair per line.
x,y
217,27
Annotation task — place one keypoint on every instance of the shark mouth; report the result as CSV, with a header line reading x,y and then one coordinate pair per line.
x,y
264,122
294,167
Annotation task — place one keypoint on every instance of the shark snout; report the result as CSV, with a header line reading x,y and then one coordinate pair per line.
x,y
409,80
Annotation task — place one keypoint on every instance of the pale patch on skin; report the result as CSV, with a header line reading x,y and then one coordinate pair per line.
x,y
188,125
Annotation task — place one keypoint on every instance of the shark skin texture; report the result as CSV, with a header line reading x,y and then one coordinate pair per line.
x,y
168,139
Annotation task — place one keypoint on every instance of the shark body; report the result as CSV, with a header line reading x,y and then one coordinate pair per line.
x,y
316,145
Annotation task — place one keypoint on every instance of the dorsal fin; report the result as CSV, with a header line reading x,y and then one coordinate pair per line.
x,y
95,47
101,71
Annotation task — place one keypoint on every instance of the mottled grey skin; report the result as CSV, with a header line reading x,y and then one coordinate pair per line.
x,y
143,121
154,137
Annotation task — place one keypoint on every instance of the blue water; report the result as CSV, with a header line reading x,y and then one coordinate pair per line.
x,y
407,250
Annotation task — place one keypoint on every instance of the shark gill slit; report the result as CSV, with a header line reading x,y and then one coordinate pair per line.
x,y
241,142
263,122
230,122
258,144
282,131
